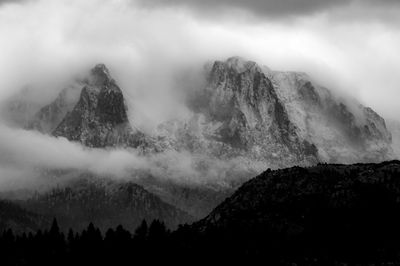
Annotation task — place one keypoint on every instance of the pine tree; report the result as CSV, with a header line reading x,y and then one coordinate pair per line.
x,y
141,232
54,230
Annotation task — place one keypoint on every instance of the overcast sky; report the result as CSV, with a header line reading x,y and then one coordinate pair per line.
x,y
351,45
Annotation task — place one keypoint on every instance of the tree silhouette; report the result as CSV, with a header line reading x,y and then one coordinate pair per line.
x,y
141,232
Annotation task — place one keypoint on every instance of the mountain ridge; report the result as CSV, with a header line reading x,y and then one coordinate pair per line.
x,y
105,202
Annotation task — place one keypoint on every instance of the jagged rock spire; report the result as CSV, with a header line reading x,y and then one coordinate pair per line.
x,y
100,118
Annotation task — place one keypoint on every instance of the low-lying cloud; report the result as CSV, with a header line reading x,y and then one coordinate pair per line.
x,y
27,155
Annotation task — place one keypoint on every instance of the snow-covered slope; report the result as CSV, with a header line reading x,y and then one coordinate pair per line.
x,y
342,129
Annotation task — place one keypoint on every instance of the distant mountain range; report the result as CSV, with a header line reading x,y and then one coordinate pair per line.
x,y
246,113
280,118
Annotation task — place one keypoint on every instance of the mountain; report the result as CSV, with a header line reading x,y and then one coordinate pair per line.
x,y
244,110
283,118
18,219
286,198
342,129
104,202
321,214
99,118
244,118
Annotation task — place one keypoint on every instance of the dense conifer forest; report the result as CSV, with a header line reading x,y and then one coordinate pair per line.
x,y
322,215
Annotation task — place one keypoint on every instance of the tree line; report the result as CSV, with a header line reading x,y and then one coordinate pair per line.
x,y
91,246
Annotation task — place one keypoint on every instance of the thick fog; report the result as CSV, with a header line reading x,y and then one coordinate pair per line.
x,y
147,46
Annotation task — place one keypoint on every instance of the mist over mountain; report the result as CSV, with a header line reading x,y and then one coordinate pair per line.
x,y
145,129
241,118
99,119
240,110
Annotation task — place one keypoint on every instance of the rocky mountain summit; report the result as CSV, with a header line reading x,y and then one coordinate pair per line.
x,y
278,118
243,107
99,118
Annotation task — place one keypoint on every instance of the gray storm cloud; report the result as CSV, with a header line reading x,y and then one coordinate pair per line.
x,y
272,8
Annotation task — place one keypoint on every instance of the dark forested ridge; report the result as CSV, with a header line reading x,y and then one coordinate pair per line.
x,y
104,202
322,215
19,219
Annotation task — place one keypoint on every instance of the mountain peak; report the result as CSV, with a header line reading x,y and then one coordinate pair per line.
x,y
99,118
239,63
100,75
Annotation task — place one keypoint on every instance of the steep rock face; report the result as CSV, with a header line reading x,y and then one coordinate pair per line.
x,y
342,130
104,202
279,118
99,119
243,111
